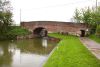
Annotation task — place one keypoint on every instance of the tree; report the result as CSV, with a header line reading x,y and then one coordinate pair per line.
x,y
90,17
5,5
5,16
77,16
84,16
87,17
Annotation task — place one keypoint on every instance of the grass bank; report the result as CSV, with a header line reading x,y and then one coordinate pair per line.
x,y
95,38
71,53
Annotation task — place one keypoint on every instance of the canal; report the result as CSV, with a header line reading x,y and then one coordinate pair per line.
x,y
25,53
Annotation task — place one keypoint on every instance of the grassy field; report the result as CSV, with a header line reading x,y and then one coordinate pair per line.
x,y
93,37
71,53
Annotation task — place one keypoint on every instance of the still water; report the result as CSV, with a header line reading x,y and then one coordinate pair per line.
x,y
25,53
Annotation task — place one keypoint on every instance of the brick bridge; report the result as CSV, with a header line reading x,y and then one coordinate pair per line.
x,y
54,26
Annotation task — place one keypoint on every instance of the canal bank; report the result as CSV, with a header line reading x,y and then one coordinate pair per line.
x,y
71,53
55,48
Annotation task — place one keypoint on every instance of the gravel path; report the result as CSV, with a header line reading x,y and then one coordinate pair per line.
x,y
93,46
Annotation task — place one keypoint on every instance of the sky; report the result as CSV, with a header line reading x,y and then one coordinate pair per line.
x,y
47,10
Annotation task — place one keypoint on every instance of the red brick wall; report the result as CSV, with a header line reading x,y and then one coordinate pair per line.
x,y
53,26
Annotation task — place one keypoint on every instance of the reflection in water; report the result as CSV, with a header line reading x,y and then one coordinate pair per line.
x,y
5,56
1,52
25,53
44,42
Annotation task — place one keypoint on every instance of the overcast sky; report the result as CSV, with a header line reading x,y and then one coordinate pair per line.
x,y
47,10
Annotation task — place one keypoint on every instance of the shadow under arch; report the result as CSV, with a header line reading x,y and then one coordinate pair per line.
x,y
82,33
40,32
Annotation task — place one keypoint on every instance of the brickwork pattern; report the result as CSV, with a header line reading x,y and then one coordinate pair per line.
x,y
54,26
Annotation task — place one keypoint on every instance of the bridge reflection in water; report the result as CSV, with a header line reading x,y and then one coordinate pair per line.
x,y
44,42
25,53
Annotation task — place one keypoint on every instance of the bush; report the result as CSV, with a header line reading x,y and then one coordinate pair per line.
x,y
98,30
92,31
18,31
13,32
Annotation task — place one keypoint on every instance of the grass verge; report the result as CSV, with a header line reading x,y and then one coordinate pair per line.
x,y
71,53
95,38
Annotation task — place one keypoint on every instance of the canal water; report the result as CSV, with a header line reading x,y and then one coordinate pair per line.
x,y
25,53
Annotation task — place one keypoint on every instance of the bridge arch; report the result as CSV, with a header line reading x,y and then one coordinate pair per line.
x,y
40,32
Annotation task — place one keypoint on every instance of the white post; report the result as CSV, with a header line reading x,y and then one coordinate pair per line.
x,y
96,4
20,15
